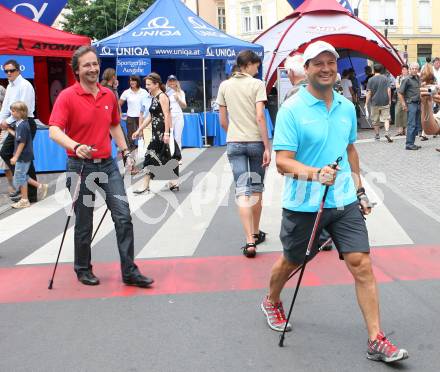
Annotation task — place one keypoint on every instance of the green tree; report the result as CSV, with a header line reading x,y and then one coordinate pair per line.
x,y
101,18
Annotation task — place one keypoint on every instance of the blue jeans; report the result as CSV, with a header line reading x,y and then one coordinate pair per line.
x,y
21,173
106,176
414,123
246,159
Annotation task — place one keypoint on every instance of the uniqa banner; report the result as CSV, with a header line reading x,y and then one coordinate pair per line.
x,y
38,10
26,65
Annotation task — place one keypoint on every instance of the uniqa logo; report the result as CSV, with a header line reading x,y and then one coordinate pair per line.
x,y
158,22
220,52
198,25
203,29
106,51
159,26
37,13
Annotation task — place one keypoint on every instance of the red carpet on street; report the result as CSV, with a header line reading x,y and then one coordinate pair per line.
x,y
210,274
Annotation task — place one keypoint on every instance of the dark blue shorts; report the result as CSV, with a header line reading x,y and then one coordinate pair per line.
x,y
346,227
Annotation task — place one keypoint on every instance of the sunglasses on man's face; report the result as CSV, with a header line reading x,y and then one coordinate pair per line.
x,y
10,71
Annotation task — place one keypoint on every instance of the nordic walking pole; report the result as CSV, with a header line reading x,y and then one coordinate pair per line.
x,y
99,225
75,198
105,213
309,248
319,250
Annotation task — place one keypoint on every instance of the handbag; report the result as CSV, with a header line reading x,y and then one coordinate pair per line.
x,y
172,147
140,150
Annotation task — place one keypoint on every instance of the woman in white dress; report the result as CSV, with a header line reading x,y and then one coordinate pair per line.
x,y
133,96
177,103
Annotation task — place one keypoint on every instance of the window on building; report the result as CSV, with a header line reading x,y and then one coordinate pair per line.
x,y
246,19
380,10
258,17
221,18
423,51
251,17
425,14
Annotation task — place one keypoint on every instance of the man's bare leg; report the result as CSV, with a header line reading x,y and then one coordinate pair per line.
x,y
360,267
280,273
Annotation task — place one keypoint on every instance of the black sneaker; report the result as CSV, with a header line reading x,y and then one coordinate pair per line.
x,y
412,147
382,349
14,194
15,198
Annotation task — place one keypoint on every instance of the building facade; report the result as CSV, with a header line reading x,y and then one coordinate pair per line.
x,y
412,26
212,11
244,19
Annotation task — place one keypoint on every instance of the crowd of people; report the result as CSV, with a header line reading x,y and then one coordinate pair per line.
x,y
390,100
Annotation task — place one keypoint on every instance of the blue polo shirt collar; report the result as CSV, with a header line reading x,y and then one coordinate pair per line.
x,y
311,100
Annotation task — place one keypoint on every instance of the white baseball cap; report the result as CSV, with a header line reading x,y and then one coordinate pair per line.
x,y
317,48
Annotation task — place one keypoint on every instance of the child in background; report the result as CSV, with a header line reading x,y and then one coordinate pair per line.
x,y
23,155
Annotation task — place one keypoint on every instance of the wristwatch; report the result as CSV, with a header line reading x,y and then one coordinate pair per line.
x,y
76,147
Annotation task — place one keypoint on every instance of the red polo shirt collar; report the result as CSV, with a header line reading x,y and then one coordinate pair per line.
x,y
80,90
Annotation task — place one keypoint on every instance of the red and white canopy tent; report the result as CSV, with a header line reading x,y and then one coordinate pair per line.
x,y
21,36
329,21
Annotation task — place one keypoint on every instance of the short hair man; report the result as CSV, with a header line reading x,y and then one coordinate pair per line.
x,y
314,128
18,89
379,94
409,96
296,73
86,114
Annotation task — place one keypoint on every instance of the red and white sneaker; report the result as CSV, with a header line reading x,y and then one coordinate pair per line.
x,y
276,319
382,349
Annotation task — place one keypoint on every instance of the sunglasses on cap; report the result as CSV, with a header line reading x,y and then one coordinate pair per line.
x,y
10,71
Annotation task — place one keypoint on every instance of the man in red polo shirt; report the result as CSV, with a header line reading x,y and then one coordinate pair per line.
x,y
86,114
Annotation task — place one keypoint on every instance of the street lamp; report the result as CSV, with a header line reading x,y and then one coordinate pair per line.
x,y
356,10
388,22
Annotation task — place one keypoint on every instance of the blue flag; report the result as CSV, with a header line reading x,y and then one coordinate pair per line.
x,y
345,3
43,11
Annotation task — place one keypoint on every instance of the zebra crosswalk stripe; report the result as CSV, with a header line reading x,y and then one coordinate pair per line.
x,y
48,252
193,217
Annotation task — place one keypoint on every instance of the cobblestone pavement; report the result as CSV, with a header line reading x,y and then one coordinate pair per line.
x,y
412,174
415,174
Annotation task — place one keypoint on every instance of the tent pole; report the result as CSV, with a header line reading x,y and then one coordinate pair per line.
x,y
204,101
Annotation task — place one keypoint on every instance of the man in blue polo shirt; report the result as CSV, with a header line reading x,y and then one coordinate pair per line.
x,y
314,128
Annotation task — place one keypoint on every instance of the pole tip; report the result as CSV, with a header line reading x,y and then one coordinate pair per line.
x,y
50,284
281,343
